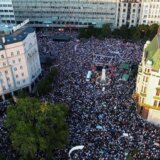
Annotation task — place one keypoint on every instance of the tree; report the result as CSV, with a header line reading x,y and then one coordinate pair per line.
x,y
144,31
45,85
106,30
153,30
34,126
134,34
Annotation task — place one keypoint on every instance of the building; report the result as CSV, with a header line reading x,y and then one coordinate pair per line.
x,y
66,13
128,12
150,12
148,81
78,13
19,61
6,12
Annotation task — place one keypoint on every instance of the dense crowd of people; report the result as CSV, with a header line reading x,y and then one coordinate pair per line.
x,y
105,122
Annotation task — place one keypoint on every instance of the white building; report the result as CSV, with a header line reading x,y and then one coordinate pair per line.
x,y
128,13
6,12
148,81
19,61
150,12
67,13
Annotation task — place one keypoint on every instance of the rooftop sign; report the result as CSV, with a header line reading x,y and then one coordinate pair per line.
x,y
15,28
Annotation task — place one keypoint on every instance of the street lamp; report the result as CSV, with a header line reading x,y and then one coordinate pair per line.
x,y
73,149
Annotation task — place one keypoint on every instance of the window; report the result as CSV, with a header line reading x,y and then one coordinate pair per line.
x,y
146,79
19,59
18,52
159,104
12,53
22,74
4,88
155,102
4,64
6,72
159,82
24,81
13,61
2,56
15,68
21,67
157,92
16,75
18,82
145,89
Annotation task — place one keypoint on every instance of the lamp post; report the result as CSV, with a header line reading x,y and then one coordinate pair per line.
x,y
73,149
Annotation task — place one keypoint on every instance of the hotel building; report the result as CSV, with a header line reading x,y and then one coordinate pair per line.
x,y
148,81
19,61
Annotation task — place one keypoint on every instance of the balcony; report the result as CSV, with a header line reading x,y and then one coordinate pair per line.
x,y
142,94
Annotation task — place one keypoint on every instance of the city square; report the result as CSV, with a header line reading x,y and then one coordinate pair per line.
x,y
100,119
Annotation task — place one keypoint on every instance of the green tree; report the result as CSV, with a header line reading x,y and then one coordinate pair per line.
x,y
153,30
124,32
34,126
144,31
45,85
134,34
106,30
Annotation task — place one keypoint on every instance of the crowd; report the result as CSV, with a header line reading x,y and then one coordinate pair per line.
x,y
105,122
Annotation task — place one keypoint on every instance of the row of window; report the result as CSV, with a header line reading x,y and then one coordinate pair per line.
x,y
8,79
13,61
156,103
12,54
9,85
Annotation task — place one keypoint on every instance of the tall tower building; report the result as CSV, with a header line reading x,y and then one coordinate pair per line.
x,y
148,81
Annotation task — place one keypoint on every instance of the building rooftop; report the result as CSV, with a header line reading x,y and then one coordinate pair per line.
x,y
18,36
153,52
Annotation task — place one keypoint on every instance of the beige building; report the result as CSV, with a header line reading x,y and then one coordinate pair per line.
x,y
19,61
148,81
128,13
150,12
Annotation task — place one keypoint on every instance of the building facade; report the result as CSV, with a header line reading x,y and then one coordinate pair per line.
x,y
128,12
81,13
6,12
67,13
150,12
19,61
148,81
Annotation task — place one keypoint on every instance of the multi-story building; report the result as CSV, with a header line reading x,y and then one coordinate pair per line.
x,y
19,61
81,13
61,13
148,81
128,12
150,12
6,12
